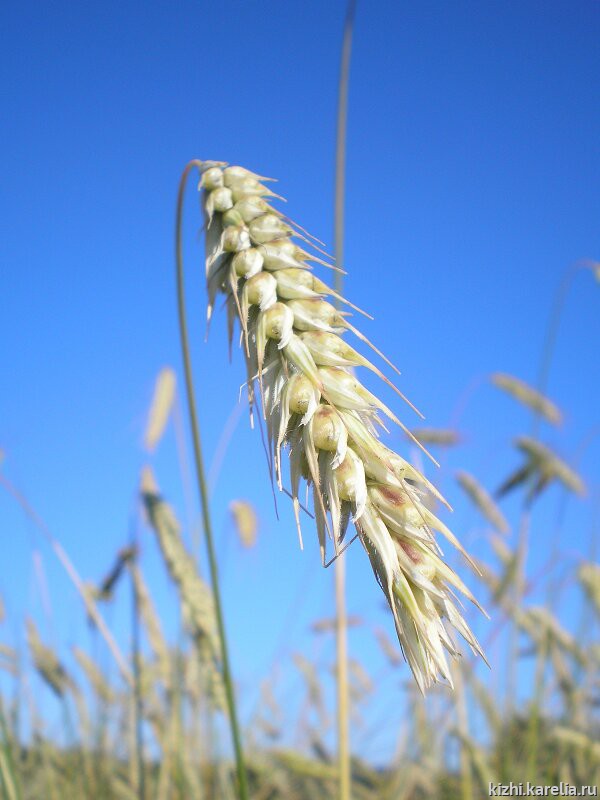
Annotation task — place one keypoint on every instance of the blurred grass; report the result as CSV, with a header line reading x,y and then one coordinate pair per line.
x,y
452,744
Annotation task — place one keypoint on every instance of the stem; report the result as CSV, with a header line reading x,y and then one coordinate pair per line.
x,y
341,629
203,489
9,778
550,338
341,640
552,329
551,603
518,593
535,714
137,683
340,148
462,714
549,345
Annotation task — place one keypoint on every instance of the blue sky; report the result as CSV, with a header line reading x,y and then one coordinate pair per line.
x,y
472,183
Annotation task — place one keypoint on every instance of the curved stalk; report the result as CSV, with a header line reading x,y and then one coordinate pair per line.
x,y
341,628
203,489
553,327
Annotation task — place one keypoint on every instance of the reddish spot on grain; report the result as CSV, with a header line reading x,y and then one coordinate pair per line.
x,y
411,552
392,495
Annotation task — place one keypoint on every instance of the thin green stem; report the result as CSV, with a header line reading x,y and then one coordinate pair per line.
x,y
341,630
518,594
340,148
552,329
552,600
548,348
203,489
462,714
136,666
341,638
9,778
535,714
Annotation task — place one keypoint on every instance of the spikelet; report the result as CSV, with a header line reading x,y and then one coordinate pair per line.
x,y
442,437
8,660
212,679
162,402
328,625
151,621
301,379
108,584
589,578
482,500
47,663
202,681
529,396
246,523
196,599
541,468
94,676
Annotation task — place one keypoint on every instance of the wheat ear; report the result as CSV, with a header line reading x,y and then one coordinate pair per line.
x,y
314,405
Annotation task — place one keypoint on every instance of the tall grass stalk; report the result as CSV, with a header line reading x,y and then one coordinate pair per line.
x,y
138,709
518,592
203,488
341,632
462,713
553,327
551,604
9,779
545,364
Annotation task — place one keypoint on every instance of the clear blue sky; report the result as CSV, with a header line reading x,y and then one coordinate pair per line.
x,y
473,181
